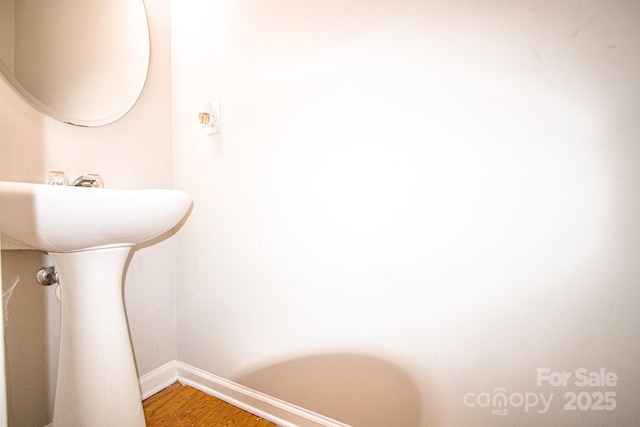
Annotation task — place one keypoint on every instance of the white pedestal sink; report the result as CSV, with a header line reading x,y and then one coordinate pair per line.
x,y
89,233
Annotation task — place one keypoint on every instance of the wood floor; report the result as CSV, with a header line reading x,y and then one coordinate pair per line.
x,y
181,406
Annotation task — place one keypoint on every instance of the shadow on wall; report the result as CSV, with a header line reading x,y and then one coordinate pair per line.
x,y
32,316
356,389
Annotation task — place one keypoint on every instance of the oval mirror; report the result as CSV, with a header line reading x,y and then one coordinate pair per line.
x,y
83,62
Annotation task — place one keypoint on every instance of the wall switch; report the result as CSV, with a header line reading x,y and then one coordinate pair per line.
x,y
215,119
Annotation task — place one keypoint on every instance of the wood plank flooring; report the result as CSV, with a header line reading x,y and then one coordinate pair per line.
x,y
183,406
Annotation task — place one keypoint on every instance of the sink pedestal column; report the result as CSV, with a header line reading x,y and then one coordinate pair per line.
x,y
97,383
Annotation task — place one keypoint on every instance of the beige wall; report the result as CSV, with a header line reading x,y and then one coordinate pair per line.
x,y
134,152
418,198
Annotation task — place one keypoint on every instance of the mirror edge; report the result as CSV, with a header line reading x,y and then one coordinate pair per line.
x,y
101,121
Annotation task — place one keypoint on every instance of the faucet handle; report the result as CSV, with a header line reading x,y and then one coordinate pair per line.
x,y
89,180
57,178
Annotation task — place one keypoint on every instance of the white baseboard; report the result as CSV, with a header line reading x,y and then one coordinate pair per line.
x,y
158,379
268,407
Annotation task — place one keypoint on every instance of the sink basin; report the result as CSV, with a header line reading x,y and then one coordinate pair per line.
x,y
57,218
89,234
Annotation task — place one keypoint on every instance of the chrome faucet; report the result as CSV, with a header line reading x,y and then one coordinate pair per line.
x,y
88,180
